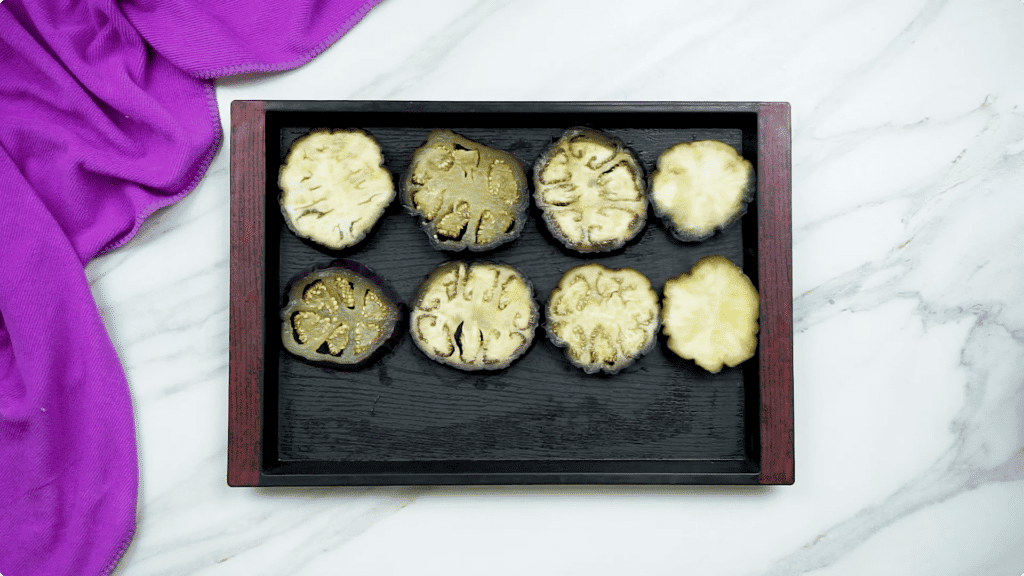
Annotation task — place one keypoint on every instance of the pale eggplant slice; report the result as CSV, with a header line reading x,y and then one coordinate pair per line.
x,y
334,187
711,314
465,194
474,316
591,191
701,187
339,315
604,318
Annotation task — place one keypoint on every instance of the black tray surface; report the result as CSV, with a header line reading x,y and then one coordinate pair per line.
x,y
405,413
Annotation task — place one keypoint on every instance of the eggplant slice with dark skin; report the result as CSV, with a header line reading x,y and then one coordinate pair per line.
x,y
591,191
339,315
711,314
474,316
334,187
466,195
701,187
605,319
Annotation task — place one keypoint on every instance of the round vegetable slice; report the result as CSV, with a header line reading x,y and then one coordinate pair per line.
x,y
465,194
710,315
591,191
604,318
334,187
474,316
339,315
700,187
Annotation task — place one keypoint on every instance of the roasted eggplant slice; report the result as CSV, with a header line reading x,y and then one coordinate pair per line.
x,y
334,187
474,316
465,194
700,187
711,314
591,191
604,318
339,315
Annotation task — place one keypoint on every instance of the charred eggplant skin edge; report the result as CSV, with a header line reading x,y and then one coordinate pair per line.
x,y
683,236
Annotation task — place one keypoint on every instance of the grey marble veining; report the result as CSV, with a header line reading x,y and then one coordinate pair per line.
x,y
908,267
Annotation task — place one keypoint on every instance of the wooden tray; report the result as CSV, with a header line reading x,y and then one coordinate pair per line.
x,y
408,420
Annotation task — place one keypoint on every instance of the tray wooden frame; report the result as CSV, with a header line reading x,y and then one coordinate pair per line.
x,y
248,332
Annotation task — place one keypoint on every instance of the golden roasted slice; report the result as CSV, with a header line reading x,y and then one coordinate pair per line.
x,y
334,187
605,318
591,191
339,315
700,187
465,194
710,315
474,316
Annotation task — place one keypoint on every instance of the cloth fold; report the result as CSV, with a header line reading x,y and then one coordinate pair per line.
x,y
107,113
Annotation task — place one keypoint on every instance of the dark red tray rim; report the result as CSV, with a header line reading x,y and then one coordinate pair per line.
x,y
248,275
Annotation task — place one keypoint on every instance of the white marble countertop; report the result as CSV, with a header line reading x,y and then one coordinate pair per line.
x,y
908,269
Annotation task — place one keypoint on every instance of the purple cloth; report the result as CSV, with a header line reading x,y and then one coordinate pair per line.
x,y
106,114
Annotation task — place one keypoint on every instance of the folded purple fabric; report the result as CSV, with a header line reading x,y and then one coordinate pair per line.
x,y
106,114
